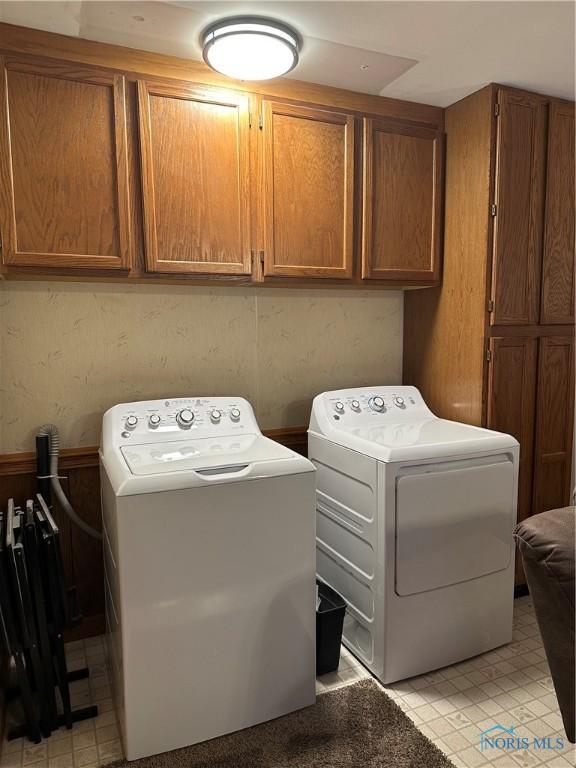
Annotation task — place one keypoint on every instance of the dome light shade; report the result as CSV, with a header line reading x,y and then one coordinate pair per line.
x,y
250,48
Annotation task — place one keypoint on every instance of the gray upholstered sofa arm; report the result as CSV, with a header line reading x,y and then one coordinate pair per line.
x,y
547,544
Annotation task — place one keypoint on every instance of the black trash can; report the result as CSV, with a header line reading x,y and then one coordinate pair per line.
x,y
329,622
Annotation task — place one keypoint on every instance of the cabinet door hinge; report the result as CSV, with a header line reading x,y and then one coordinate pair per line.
x,y
496,109
488,355
490,305
493,209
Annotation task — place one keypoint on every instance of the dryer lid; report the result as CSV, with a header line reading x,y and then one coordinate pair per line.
x,y
425,434
423,439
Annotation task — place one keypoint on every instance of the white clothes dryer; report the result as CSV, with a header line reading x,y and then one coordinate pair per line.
x,y
415,516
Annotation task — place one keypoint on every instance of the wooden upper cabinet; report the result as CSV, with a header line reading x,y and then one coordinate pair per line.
x,y
512,401
308,191
557,303
195,179
401,202
63,166
554,423
519,201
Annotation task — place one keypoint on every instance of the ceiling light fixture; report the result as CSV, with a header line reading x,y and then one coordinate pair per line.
x,y
250,48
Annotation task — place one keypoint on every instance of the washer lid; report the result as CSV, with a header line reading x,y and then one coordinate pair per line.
x,y
181,464
203,455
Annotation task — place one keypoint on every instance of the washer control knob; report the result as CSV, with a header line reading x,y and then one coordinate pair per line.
x,y
215,415
355,405
154,420
399,401
235,414
185,418
131,422
339,406
377,403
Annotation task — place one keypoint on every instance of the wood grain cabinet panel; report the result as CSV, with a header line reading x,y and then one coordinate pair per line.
x,y
195,178
308,191
512,401
519,200
63,166
401,202
557,304
554,423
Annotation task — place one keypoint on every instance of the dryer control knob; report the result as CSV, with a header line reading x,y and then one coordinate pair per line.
x,y
185,418
377,403
399,401
131,422
154,420
339,406
215,415
235,414
355,405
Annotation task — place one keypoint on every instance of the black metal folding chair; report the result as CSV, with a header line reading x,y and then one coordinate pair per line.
x,y
11,632
32,549
33,617
58,615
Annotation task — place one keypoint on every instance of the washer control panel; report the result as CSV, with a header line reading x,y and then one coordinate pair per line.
x,y
369,404
160,420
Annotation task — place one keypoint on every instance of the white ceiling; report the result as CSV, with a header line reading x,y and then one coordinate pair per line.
x,y
427,51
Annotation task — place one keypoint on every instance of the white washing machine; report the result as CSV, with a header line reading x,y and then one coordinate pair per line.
x,y
210,571
414,528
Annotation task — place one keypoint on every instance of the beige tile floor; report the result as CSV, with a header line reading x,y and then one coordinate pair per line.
x,y
509,686
90,743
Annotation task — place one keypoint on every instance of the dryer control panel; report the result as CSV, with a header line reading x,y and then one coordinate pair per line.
x,y
175,418
354,407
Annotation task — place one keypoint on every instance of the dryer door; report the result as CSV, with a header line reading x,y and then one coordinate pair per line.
x,y
454,522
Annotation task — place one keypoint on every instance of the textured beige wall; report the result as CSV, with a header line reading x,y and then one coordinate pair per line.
x,y
68,351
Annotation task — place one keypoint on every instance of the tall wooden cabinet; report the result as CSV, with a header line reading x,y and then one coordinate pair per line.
x,y
494,346
554,423
557,304
64,195
517,208
512,375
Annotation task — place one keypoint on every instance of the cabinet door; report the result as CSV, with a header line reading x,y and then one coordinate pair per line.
x,y
554,423
511,403
63,166
196,179
308,189
401,202
557,305
519,200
